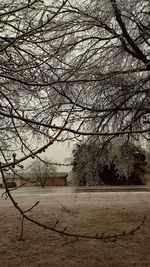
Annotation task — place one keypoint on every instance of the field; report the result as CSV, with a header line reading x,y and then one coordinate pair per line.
x,y
81,213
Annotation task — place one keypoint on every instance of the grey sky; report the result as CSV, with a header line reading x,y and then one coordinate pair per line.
x,y
59,153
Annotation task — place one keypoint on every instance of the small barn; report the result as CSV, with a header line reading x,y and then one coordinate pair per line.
x,y
28,179
53,179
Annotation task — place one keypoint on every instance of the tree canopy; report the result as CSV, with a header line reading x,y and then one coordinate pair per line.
x,y
78,67
114,163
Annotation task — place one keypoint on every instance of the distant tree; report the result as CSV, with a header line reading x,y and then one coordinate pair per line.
x,y
114,163
42,170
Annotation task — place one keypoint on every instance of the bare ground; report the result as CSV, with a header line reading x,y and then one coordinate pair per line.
x,y
81,213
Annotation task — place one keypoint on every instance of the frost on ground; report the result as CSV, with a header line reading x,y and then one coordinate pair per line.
x,y
81,213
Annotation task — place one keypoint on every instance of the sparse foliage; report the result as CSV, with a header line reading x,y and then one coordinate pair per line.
x,y
71,66
42,170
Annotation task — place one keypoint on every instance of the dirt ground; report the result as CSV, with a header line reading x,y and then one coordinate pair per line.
x,y
82,213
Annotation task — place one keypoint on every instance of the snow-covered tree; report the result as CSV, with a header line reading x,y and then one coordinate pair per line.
x,y
115,162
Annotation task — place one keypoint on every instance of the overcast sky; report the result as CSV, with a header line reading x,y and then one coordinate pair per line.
x,y
59,153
